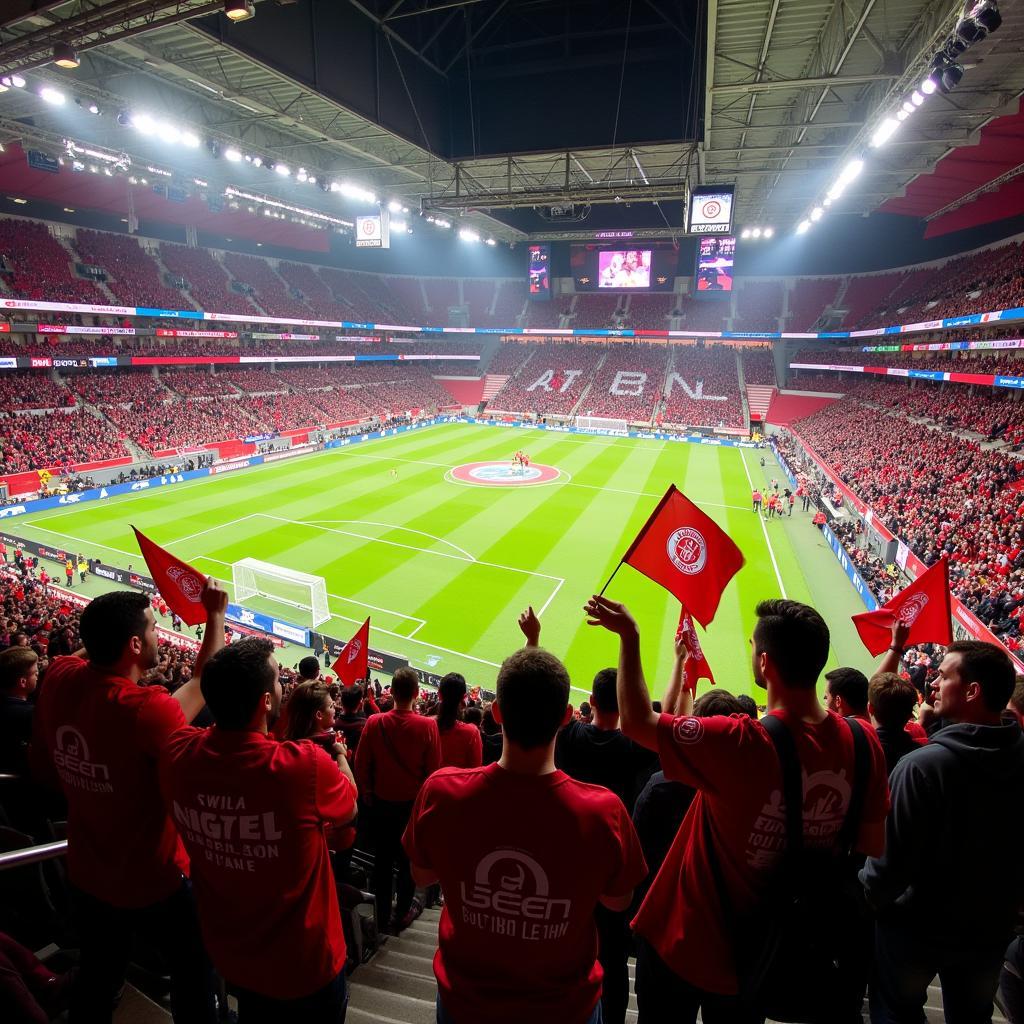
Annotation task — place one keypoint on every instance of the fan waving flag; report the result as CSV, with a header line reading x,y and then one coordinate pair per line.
x,y
179,584
353,662
696,665
924,606
687,553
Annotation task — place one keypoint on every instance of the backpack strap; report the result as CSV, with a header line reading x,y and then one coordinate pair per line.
x,y
792,780
861,770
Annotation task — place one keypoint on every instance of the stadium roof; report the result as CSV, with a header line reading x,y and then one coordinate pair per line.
x,y
775,95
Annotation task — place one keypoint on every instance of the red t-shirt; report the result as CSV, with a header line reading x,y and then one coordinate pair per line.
x,y
100,736
397,751
461,746
916,731
738,818
522,860
252,814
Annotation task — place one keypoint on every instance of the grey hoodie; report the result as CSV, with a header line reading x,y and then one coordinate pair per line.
x,y
954,837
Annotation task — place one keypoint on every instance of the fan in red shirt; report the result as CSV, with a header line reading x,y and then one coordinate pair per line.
x,y
524,855
397,751
99,735
252,813
461,744
734,828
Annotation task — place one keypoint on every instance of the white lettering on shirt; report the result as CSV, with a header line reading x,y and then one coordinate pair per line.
x,y
228,840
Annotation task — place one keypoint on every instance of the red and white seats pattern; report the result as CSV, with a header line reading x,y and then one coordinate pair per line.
x,y
134,277
703,389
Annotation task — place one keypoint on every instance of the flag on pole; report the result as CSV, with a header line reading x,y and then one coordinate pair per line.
x,y
687,553
353,662
696,665
179,584
924,606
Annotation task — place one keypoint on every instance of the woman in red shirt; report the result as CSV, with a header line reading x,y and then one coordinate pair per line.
x,y
461,745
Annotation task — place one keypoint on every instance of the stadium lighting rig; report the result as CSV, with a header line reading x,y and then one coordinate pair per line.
x,y
757,233
944,74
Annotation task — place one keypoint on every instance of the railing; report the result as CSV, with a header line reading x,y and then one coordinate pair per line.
x,y
33,855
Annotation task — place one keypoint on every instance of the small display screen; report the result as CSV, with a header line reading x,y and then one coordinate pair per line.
x,y
715,258
540,272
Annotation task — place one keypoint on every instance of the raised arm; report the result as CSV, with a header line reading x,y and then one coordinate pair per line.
x,y
638,719
215,601
893,656
678,700
530,625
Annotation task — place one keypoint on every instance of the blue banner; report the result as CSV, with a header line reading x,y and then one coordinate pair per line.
x,y
1009,382
243,616
854,577
176,314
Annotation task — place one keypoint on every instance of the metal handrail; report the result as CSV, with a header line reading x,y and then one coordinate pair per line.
x,y
33,855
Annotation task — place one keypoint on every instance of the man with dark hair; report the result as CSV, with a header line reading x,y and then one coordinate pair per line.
x,y
99,734
351,722
891,703
19,675
748,706
846,693
524,855
397,751
309,669
252,813
952,806
730,845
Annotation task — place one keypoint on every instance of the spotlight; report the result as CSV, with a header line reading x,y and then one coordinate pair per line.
x,y
817,213
257,161
884,132
51,96
491,241
929,85
143,123
168,133
950,78
64,56
745,233
232,154
953,47
908,107
902,115
468,236
395,207
916,98
302,175
239,10
15,81
987,15
756,232
803,227
93,108
768,232
190,139
283,169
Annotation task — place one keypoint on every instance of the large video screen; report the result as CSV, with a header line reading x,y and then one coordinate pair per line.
x,y
597,268
624,268
540,272
715,258
711,210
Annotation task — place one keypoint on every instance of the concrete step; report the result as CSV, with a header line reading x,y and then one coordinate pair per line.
x,y
388,1005
416,943
380,975
393,958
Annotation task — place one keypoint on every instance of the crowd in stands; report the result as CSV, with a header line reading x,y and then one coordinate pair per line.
x,y
69,438
133,276
648,312
206,280
758,365
808,300
562,839
939,493
117,387
714,369
36,266
269,290
23,389
618,392
553,382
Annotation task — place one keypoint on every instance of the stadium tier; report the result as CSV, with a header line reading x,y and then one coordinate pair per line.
x,y
511,512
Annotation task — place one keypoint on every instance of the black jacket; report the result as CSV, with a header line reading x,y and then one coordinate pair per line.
x,y
954,836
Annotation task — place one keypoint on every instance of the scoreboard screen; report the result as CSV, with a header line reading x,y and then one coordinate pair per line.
x,y
711,210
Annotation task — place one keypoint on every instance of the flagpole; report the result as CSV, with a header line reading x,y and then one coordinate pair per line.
x,y
610,578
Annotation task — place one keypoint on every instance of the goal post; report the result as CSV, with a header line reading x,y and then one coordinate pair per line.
x,y
601,423
253,578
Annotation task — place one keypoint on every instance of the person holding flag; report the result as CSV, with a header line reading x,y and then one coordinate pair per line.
x,y
353,662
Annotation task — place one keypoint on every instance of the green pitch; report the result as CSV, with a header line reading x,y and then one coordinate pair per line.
x,y
444,568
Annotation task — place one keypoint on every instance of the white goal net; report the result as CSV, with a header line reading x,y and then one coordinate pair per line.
x,y
253,578
600,423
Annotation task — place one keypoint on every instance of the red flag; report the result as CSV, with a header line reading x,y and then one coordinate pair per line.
x,y
924,606
696,665
179,584
687,553
353,663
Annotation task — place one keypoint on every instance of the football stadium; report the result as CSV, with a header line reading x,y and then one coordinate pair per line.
x,y
511,509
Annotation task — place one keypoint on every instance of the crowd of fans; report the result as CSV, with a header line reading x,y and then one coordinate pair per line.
x,y
714,369
563,840
69,438
941,494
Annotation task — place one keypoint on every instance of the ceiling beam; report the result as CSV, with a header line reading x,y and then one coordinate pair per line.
x,y
826,81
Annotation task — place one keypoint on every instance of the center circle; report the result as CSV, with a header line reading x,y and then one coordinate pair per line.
x,y
503,474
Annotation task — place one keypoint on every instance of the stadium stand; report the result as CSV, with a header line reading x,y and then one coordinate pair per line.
x,y
70,438
809,298
37,266
557,377
758,306
206,280
758,365
710,396
24,389
629,384
132,274
268,289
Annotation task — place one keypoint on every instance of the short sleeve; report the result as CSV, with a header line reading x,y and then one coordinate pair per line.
x,y
715,754
629,868
335,794
159,717
416,841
